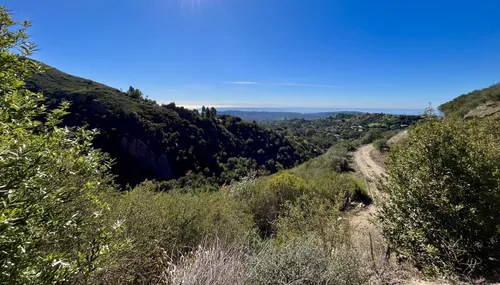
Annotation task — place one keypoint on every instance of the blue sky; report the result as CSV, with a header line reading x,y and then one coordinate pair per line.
x,y
274,53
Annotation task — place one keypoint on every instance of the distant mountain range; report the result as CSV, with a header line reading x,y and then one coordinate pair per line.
x,y
272,116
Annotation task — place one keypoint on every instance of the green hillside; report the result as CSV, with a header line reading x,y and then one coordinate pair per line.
x,y
321,134
478,103
152,141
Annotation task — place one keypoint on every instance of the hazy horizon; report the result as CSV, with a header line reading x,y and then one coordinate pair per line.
x,y
309,110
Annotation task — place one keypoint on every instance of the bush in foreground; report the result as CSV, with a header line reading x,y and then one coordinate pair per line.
x,y
304,262
162,227
51,226
444,186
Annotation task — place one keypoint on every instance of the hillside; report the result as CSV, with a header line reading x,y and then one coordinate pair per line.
x,y
478,103
151,141
323,133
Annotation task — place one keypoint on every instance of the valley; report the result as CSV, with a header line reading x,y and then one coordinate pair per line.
x,y
100,185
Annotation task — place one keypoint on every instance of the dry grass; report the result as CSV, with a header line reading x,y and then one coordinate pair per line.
x,y
215,264
301,261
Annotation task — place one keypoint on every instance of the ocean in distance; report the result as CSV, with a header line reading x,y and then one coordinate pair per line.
x,y
322,110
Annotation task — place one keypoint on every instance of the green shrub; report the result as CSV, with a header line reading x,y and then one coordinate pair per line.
x,y
360,192
304,262
444,189
371,136
269,197
312,214
163,226
460,106
336,159
381,145
51,179
321,178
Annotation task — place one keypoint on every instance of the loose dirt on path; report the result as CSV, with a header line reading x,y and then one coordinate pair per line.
x,y
370,170
366,234
361,221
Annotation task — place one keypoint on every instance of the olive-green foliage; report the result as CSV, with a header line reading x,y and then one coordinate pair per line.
x,y
50,179
312,214
444,189
336,159
266,197
381,144
371,136
319,209
303,261
163,226
460,106
314,137
360,188
270,195
295,261
134,93
163,142
327,175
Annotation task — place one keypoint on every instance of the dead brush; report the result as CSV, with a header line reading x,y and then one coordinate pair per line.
x,y
211,264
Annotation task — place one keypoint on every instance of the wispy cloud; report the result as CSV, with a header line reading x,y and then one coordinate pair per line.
x,y
307,85
241,82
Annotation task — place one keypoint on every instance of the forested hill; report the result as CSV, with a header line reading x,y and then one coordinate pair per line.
x,y
478,103
152,141
323,133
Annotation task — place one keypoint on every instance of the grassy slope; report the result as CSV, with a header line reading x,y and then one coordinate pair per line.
x,y
478,103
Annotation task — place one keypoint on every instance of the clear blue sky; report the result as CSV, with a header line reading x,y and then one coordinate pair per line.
x,y
268,53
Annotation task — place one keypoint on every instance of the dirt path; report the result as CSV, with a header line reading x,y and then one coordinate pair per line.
x,y
366,234
362,220
370,170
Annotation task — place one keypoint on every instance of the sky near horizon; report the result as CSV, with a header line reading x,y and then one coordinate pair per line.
x,y
274,53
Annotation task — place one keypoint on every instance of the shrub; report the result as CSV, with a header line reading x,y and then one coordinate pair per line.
x,y
443,182
269,197
51,226
304,262
321,178
371,136
164,226
381,145
312,214
336,159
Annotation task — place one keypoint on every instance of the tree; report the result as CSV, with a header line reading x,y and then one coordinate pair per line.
x,y
134,93
213,113
50,178
444,195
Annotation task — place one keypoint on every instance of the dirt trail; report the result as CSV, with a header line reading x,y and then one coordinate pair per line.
x,y
365,231
362,220
370,170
